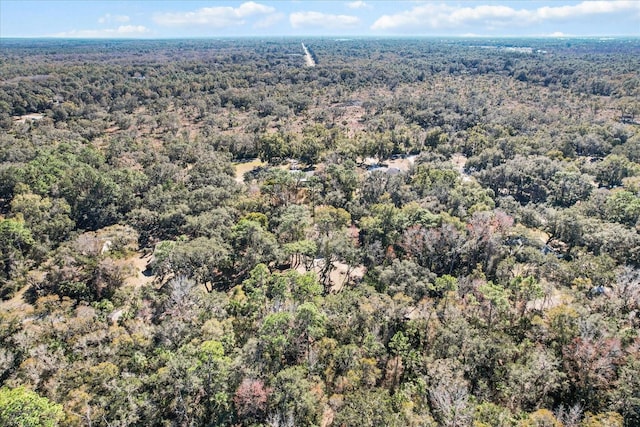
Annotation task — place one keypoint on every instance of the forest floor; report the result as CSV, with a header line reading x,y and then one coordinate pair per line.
x,y
553,299
459,160
340,276
135,266
140,274
17,303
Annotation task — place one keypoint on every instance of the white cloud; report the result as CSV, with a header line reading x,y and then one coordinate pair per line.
x,y
447,16
322,20
109,18
269,20
122,31
218,17
357,4
586,8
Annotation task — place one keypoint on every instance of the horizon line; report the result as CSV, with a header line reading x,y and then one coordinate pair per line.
x,y
361,36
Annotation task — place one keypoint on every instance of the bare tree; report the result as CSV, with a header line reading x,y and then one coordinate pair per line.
x,y
449,394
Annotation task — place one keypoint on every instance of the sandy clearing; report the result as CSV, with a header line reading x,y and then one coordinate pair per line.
x,y
244,167
33,116
140,274
553,299
17,303
459,160
339,277
403,163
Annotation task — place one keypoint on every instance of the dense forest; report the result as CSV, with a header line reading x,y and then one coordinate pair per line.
x,y
409,232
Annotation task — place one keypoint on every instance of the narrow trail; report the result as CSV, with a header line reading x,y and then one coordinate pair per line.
x,y
308,59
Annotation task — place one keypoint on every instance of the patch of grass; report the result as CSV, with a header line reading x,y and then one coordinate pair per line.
x,y
244,167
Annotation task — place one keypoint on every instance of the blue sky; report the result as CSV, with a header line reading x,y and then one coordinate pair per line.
x,y
171,19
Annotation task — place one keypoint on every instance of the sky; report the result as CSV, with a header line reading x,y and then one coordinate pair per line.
x,y
190,19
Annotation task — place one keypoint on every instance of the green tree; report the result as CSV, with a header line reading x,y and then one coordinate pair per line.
x,y
340,182
613,169
402,276
445,287
623,207
293,223
294,399
272,147
20,407
489,414
368,408
569,187
253,244
605,419
498,298
522,291
275,336
16,244
626,395
308,326
203,259
47,218
281,186
540,418
530,382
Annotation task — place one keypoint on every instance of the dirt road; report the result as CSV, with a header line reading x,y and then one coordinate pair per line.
x,y
308,59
